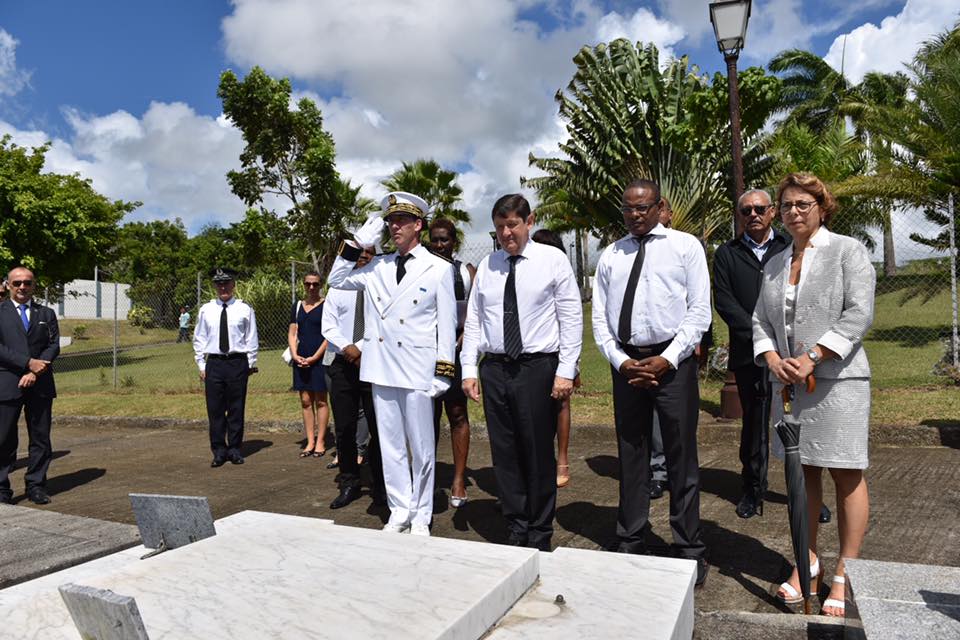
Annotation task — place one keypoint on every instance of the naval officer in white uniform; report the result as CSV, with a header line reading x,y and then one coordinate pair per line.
x,y
409,344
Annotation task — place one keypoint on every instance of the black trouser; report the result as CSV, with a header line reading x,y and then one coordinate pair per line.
x,y
522,424
183,335
38,411
754,391
348,394
226,389
676,400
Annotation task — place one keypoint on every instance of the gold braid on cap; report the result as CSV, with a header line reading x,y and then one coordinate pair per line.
x,y
404,207
445,369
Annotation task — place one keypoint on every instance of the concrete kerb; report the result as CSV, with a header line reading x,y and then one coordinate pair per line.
x,y
711,431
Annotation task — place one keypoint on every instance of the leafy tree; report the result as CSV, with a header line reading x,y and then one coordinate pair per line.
x,y
288,154
628,117
813,92
57,225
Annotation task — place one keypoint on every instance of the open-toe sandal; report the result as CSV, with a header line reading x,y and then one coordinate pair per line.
x,y
840,605
792,596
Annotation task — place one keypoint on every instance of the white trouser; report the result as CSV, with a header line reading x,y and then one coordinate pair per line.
x,y
405,419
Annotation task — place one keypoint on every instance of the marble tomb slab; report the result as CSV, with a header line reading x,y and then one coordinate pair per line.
x,y
258,576
605,595
909,601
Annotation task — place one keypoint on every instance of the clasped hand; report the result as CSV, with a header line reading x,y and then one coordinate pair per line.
x,y
27,380
38,366
792,370
645,373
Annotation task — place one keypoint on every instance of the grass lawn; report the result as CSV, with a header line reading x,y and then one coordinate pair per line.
x,y
162,381
98,335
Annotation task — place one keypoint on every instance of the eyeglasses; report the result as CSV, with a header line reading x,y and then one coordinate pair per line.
x,y
21,283
311,284
639,208
802,206
758,209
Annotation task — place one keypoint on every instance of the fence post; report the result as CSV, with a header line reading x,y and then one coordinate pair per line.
x,y
99,292
116,330
953,278
293,281
198,293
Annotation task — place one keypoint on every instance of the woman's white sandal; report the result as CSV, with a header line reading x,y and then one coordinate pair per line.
x,y
793,597
833,602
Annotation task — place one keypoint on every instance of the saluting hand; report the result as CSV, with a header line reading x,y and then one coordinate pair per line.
x,y
471,388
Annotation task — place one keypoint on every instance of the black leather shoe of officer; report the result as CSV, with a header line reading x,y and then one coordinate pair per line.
x,y
235,458
702,570
38,495
750,505
347,495
656,489
6,498
825,515
633,548
218,461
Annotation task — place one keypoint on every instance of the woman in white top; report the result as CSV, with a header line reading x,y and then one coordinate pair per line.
x,y
443,242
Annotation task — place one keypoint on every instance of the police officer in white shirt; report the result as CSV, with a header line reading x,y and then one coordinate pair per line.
x,y
651,305
343,327
525,317
225,345
408,350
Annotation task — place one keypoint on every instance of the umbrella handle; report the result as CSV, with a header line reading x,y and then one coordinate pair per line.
x,y
786,392
811,383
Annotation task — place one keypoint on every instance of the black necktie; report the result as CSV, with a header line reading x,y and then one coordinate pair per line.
x,y
224,331
358,318
626,311
512,340
402,266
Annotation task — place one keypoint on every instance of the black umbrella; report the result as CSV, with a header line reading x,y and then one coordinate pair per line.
x,y
788,428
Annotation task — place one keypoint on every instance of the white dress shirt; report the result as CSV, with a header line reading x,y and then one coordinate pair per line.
x,y
759,249
241,322
548,304
337,322
672,300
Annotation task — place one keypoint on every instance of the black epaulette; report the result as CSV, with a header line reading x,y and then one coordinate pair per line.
x,y
442,257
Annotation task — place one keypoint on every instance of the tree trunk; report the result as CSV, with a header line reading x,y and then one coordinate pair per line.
x,y
889,257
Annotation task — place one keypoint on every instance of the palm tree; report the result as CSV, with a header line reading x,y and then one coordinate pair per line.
x,y
812,91
427,179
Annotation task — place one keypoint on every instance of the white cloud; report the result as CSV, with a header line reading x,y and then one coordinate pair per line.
x,y
12,79
887,47
642,26
171,159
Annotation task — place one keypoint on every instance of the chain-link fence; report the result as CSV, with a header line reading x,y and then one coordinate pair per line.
x,y
123,337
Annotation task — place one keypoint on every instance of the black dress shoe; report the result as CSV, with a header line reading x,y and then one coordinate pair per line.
x,y
633,548
825,515
517,540
218,461
702,569
656,489
38,495
750,505
235,457
347,495
6,498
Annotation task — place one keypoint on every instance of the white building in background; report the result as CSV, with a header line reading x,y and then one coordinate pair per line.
x,y
91,300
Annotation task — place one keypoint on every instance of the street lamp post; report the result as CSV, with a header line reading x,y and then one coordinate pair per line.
x,y
729,19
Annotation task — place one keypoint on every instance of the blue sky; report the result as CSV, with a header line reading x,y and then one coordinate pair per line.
x,y
127,90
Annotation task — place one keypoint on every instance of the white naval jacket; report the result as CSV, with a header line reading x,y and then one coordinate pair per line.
x,y
409,328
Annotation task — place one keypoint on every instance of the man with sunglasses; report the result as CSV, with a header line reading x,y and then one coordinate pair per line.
x,y
29,343
225,345
737,270
651,306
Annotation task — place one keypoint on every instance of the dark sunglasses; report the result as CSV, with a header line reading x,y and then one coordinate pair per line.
x,y
758,209
311,284
21,283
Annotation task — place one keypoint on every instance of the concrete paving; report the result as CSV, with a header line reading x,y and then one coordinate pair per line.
x,y
915,499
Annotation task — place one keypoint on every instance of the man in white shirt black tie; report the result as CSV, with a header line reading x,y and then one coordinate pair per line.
x,y
225,345
651,305
343,327
525,315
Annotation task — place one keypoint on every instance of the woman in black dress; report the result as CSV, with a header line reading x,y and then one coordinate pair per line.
x,y
307,346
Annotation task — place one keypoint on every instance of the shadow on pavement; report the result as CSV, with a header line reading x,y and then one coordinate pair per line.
x,y
74,479
22,462
251,447
736,555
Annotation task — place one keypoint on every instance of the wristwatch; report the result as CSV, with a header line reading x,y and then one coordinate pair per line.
x,y
814,356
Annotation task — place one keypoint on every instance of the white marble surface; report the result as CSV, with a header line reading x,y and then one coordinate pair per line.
x,y
606,595
267,576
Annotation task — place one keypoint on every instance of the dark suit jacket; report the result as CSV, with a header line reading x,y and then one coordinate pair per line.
x,y
17,346
737,275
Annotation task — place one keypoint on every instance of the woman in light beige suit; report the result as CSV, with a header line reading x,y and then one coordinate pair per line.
x,y
815,306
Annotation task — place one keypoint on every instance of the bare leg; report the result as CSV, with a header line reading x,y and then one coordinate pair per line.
x,y
323,418
460,441
853,510
306,404
563,442
814,486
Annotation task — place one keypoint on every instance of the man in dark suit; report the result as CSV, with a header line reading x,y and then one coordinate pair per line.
x,y
737,269
29,342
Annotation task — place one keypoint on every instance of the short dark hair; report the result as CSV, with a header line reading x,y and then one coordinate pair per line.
x,y
447,225
643,183
312,272
511,203
550,237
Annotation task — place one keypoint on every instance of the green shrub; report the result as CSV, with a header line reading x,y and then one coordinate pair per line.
x,y
80,332
141,316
